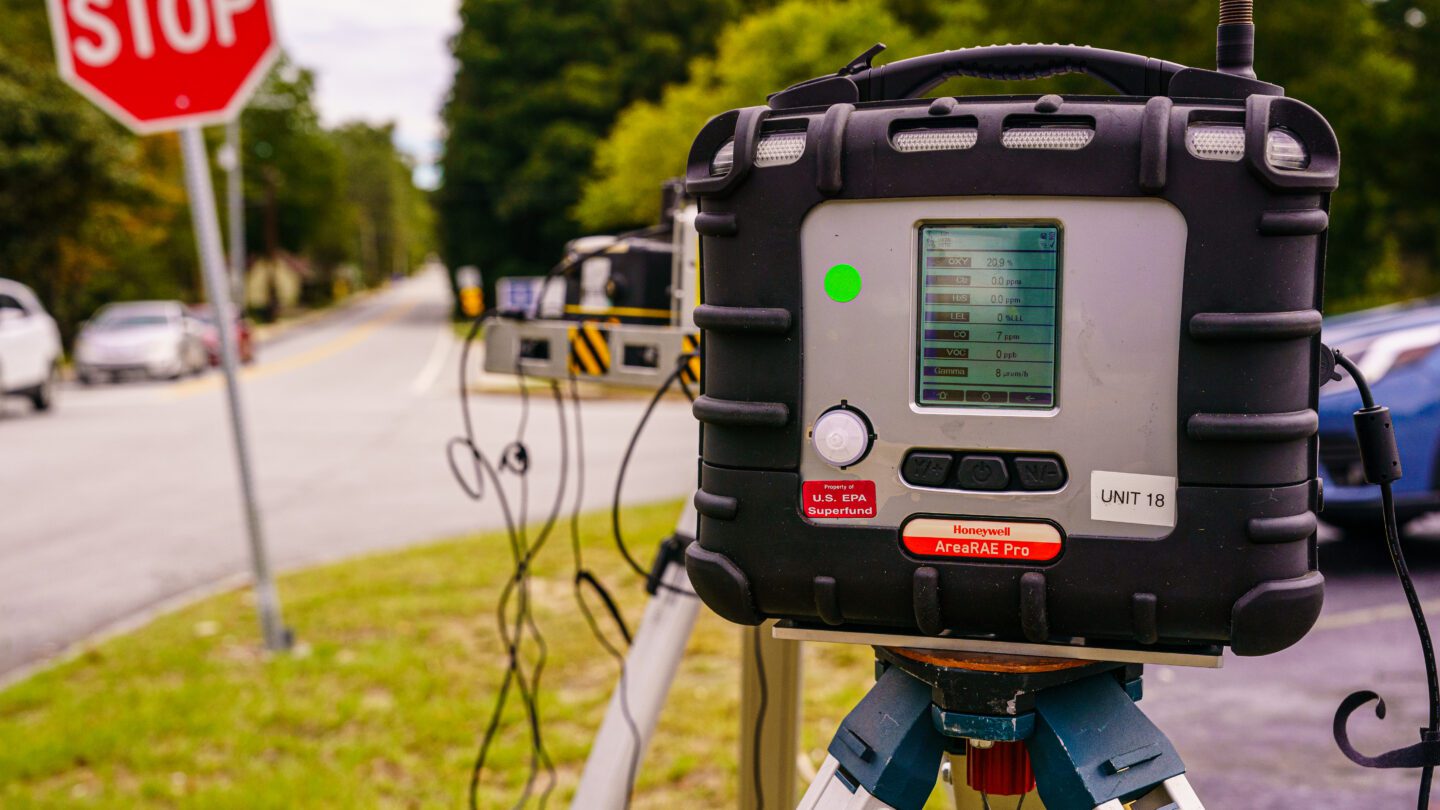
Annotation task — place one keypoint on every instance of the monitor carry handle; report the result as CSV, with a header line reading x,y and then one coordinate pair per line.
x,y
1130,74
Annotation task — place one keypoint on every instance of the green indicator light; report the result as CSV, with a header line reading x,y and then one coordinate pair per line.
x,y
842,283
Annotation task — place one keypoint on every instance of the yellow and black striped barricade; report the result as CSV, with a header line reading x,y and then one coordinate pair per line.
x,y
593,351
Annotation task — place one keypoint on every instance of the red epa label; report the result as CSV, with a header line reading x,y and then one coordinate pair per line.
x,y
838,500
983,539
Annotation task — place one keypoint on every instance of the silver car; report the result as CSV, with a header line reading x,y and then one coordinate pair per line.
x,y
156,339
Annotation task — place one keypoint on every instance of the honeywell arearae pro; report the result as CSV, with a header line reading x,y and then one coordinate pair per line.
x,y
1037,370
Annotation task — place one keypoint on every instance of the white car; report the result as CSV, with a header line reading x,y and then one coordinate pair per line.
x,y
29,346
157,339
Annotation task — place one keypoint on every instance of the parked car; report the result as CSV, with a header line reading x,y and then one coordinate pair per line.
x,y
29,346
156,339
244,335
1395,347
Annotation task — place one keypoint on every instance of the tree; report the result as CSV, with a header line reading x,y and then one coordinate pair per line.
x,y
763,53
538,83
1334,54
86,210
1407,218
331,197
393,219
1355,62
90,213
293,176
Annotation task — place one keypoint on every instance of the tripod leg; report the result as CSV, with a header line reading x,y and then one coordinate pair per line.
x,y
650,668
767,776
1093,749
831,791
886,753
1174,793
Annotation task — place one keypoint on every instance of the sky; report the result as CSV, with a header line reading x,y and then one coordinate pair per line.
x,y
377,61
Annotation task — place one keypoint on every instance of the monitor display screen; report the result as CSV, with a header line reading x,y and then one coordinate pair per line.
x,y
989,315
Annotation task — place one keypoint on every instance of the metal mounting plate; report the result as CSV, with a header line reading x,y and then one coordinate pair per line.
x,y
790,631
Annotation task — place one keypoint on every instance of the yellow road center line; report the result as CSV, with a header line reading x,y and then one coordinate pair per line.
x,y
350,338
1380,613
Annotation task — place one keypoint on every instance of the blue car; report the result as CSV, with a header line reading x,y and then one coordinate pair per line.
x,y
1395,347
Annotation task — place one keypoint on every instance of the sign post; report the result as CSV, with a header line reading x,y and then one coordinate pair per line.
x,y
165,65
230,160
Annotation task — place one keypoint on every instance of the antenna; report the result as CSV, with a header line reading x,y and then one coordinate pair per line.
x,y
1235,38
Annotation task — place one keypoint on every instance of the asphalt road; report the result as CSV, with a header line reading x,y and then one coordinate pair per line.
x,y
126,496
1257,734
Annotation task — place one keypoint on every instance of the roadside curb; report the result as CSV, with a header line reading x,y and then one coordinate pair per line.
x,y
266,333
123,626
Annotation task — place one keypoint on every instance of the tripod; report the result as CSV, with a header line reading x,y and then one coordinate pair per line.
x,y
1070,727
650,667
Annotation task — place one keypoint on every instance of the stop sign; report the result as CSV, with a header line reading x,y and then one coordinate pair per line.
x,y
164,64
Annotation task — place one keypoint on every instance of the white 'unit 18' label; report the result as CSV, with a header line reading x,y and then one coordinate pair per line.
x,y
1132,498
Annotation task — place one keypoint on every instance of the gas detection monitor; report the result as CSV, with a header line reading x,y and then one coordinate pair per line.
x,y
1020,370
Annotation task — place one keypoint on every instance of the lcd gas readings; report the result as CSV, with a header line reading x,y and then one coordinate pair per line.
x,y
988,305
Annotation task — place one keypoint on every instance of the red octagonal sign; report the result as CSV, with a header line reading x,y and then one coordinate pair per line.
x,y
164,64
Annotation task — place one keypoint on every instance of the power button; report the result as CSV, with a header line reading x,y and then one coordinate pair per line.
x,y
983,473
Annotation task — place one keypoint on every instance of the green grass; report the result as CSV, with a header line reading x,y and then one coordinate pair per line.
x,y
385,701
462,330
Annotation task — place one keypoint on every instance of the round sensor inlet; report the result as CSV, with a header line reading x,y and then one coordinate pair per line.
x,y
841,437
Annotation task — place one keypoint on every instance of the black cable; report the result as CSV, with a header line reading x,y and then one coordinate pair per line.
x,y
985,799
482,469
755,758
625,464
583,575
623,685
1397,559
685,387
539,755
519,583
514,459
579,478
492,728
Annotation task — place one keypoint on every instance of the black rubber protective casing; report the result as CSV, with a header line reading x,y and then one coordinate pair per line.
x,y
1240,567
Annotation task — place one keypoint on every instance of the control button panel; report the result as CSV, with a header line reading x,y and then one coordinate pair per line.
x,y
928,469
984,471
1039,473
